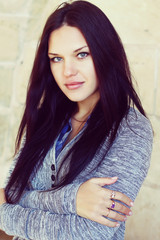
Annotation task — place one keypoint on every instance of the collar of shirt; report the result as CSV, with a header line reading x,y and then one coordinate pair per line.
x,y
64,135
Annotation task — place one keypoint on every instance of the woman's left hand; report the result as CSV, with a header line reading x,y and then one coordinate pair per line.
x,y
2,196
95,202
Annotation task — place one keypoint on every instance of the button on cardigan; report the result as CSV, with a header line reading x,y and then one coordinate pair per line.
x,y
47,215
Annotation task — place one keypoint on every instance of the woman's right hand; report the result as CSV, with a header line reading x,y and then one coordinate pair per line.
x,y
94,202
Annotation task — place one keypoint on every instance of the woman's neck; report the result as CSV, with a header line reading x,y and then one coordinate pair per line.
x,y
84,108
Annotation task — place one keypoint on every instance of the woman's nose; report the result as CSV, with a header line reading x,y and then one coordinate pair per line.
x,y
69,69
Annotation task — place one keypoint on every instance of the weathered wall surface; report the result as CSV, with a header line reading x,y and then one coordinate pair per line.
x,y
137,22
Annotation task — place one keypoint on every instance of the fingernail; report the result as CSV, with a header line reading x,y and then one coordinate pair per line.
x,y
125,218
114,178
130,213
117,225
131,204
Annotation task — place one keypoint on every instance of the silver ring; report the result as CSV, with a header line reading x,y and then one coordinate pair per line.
x,y
113,194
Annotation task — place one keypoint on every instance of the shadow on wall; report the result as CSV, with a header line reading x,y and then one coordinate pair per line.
x,y
3,236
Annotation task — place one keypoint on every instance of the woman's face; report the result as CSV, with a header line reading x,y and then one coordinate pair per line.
x,y
72,65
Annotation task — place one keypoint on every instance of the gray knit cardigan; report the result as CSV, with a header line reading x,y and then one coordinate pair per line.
x,y
52,214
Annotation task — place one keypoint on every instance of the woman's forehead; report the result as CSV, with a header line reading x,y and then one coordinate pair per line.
x,y
66,37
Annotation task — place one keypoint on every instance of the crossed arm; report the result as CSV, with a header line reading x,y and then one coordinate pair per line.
x,y
33,223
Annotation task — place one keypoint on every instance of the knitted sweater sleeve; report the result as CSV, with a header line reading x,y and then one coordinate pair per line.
x,y
62,201
129,156
36,224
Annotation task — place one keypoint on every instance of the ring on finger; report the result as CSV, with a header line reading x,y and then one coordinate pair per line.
x,y
112,205
113,194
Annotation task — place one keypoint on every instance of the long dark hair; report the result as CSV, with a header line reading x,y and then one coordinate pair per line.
x,y
48,109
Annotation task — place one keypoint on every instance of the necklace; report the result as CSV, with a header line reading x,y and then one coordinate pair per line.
x,y
79,120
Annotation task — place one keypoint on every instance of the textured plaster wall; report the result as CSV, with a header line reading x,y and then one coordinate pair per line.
x,y
137,23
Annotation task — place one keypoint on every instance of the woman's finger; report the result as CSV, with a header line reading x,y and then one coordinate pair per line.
x,y
114,195
123,198
114,215
103,181
102,220
116,206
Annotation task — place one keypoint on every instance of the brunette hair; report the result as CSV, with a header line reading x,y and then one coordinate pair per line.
x,y
48,109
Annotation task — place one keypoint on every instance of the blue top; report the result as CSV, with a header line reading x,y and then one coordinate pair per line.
x,y
52,215
63,137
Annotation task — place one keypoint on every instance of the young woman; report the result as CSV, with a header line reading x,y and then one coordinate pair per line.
x,y
79,127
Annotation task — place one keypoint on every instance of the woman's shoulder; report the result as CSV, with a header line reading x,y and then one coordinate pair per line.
x,y
137,123
136,116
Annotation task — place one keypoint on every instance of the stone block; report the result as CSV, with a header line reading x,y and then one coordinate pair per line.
x,y
22,72
157,102
3,134
142,64
4,167
9,39
14,125
136,21
39,14
34,29
37,7
145,222
9,124
5,86
153,174
14,6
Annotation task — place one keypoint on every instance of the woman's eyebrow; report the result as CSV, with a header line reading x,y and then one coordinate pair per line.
x,y
56,54
80,48
53,54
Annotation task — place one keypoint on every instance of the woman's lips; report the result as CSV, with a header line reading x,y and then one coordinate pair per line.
x,y
74,85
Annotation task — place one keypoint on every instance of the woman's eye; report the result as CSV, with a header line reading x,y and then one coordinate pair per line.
x,y
82,55
56,59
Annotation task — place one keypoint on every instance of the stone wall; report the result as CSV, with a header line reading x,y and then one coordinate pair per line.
x,y
137,23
